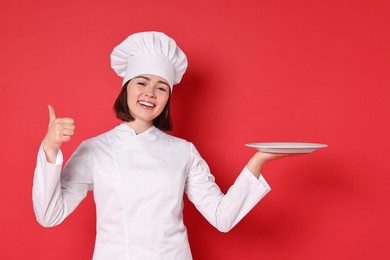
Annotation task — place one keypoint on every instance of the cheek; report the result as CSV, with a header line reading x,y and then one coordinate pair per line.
x,y
132,96
164,101
131,103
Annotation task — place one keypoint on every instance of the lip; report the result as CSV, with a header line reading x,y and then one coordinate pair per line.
x,y
144,104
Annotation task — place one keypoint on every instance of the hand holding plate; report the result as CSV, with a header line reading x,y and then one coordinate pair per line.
x,y
273,151
260,158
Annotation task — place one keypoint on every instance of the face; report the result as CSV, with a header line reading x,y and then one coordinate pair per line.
x,y
147,96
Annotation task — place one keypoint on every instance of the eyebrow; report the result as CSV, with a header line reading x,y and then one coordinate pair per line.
x,y
148,79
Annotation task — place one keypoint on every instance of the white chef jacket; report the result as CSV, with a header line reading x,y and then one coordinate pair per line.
x,y
138,183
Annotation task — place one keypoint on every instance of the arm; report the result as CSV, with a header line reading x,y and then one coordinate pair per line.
x,y
56,193
47,189
223,211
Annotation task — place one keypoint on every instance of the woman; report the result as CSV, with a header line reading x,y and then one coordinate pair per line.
x,y
137,172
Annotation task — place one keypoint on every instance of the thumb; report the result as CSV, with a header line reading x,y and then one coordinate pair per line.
x,y
52,113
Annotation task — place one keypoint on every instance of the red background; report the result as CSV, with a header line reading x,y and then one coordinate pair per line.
x,y
310,71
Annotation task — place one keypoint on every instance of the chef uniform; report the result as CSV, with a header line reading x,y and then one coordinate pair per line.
x,y
138,180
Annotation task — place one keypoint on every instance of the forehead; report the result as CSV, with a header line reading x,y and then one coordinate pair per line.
x,y
152,77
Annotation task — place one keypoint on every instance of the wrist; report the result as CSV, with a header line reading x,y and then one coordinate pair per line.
x,y
254,166
51,153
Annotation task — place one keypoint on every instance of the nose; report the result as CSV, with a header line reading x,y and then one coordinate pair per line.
x,y
150,92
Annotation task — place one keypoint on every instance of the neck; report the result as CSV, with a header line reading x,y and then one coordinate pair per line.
x,y
140,127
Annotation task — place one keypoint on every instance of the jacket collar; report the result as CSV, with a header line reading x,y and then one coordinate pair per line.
x,y
125,131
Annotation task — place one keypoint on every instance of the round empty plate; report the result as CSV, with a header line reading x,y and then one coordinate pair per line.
x,y
286,147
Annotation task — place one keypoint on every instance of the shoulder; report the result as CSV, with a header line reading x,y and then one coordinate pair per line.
x,y
97,147
173,140
180,144
105,139
111,135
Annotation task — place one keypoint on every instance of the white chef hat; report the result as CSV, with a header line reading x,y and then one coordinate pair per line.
x,y
149,53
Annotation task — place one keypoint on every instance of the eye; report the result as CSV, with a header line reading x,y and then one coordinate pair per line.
x,y
162,89
141,83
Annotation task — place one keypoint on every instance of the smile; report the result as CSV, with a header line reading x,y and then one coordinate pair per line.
x,y
146,104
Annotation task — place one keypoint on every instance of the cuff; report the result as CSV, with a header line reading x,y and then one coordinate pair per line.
x,y
59,157
260,181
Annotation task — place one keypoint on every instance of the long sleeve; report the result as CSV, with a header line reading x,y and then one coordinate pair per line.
x,y
223,211
56,193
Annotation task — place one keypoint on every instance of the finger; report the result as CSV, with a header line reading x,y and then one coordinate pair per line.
x,y
65,138
52,113
68,120
67,132
68,126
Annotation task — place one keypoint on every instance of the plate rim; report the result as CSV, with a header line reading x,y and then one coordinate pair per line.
x,y
276,145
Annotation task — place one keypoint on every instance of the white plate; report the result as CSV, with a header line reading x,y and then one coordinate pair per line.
x,y
286,147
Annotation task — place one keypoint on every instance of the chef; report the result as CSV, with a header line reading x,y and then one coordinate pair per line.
x,y
138,173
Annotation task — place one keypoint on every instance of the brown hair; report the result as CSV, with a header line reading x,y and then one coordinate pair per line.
x,y
122,111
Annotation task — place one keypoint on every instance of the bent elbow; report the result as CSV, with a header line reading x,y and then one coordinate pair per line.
x,y
45,224
47,220
224,229
224,222
224,226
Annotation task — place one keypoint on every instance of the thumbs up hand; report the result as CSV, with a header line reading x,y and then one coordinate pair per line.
x,y
59,130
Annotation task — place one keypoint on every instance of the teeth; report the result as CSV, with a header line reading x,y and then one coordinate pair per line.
x,y
146,104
